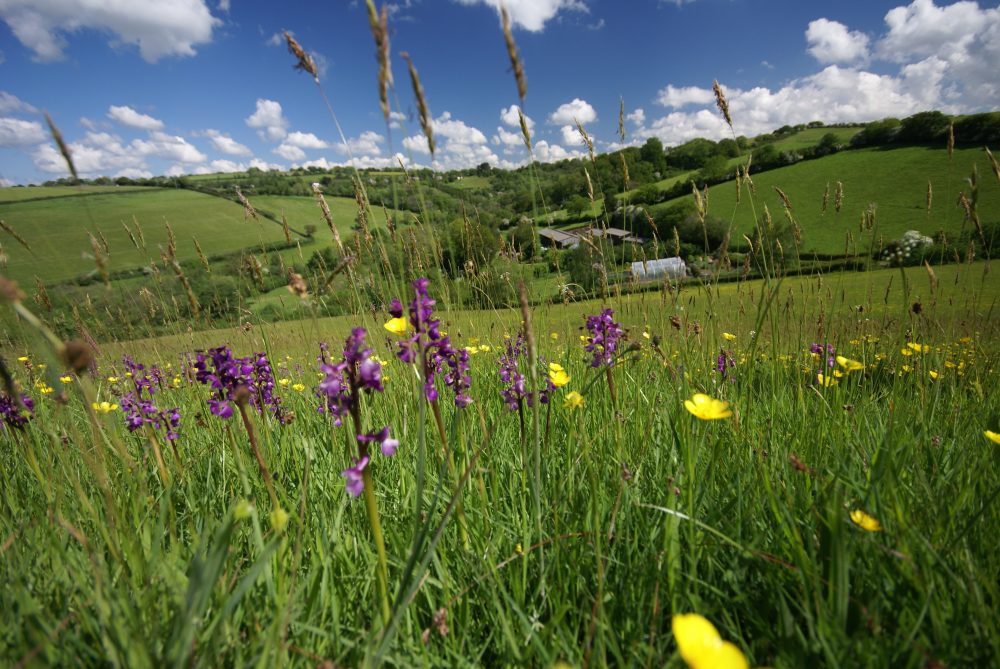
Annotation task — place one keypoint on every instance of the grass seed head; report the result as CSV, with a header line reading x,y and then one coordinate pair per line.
x,y
379,24
722,103
304,61
422,109
63,148
515,58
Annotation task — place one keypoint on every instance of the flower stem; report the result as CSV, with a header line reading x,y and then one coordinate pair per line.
x,y
382,573
252,434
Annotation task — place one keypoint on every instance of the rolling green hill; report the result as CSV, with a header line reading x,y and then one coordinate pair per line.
x,y
894,181
57,229
302,211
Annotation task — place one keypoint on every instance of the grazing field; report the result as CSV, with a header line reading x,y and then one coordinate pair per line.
x,y
893,182
58,230
808,463
302,211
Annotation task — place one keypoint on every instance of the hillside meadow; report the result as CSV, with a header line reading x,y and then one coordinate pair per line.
x,y
762,453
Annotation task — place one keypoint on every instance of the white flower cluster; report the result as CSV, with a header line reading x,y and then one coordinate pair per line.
x,y
903,248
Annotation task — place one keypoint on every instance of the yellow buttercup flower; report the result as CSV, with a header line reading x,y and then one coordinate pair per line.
x,y
826,381
283,382
849,365
703,407
397,326
484,348
865,522
907,352
553,336
729,336
573,400
65,379
558,377
298,387
919,348
23,358
992,436
112,379
933,374
104,407
702,647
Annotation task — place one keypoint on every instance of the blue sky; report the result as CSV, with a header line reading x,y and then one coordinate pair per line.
x,y
146,87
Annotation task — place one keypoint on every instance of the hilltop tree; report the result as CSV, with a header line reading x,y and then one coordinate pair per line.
x,y
652,153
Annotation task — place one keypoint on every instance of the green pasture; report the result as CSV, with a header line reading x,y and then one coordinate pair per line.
x,y
894,182
18,194
57,230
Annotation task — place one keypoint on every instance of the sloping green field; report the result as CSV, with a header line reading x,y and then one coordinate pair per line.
x,y
302,211
56,221
57,230
45,192
894,181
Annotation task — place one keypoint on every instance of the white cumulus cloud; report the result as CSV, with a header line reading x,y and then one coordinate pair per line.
x,y
13,104
531,14
170,147
268,120
17,132
305,140
289,152
677,97
223,143
127,116
571,112
158,27
831,42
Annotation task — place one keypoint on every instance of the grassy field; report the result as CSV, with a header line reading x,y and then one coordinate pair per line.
x,y
46,192
57,230
302,211
895,182
839,522
811,137
56,226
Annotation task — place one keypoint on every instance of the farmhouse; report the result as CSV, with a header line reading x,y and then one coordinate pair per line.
x,y
568,239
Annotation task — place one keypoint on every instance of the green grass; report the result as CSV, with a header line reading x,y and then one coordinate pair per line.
x,y
575,541
57,230
45,192
895,181
811,136
302,211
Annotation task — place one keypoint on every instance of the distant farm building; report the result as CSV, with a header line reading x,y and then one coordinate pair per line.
x,y
671,268
568,239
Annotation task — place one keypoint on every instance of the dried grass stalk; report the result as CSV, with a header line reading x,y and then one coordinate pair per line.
x,y
993,162
838,197
525,132
930,196
722,103
784,198
63,148
951,139
590,185
422,110
379,24
192,300
248,210
826,197
621,119
515,58
586,139
285,229
304,62
99,259
13,233
201,255
328,217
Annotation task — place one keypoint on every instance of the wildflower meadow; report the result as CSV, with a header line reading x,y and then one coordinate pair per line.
x,y
784,469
